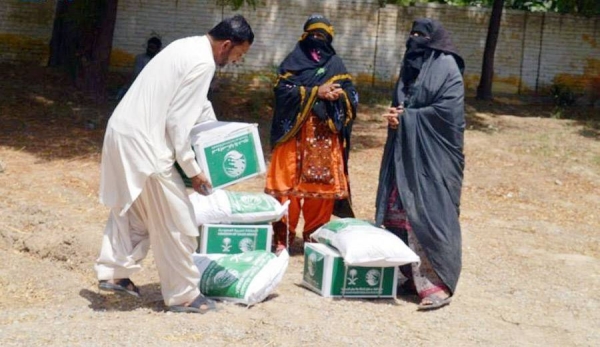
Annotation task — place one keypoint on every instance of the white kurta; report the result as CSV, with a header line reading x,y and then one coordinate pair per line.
x,y
150,127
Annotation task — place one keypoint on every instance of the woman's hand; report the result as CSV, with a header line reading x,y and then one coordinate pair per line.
x,y
393,116
329,91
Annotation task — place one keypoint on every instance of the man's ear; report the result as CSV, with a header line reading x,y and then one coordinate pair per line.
x,y
226,45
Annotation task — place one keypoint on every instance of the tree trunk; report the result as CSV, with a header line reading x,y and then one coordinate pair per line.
x,y
82,41
484,90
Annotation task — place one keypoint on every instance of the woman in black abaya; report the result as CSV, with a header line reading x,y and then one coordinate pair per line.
x,y
420,182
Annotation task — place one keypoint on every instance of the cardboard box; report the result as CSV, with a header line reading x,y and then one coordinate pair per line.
x,y
228,152
234,239
326,274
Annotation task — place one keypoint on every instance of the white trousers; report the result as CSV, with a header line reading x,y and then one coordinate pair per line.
x,y
162,217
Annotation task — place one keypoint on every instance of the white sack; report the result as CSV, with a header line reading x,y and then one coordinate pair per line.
x,y
362,244
227,207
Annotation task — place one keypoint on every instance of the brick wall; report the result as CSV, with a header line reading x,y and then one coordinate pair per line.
x,y
138,20
534,50
25,30
570,51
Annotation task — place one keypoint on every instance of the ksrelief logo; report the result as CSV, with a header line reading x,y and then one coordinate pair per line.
x,y
246,244
234,164
373,277
249,201
225,278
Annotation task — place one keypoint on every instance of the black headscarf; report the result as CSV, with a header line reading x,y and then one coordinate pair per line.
x,y
419,48
309,47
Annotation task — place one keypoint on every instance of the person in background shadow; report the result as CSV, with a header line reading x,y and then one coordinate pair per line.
x,y
421,174
153,46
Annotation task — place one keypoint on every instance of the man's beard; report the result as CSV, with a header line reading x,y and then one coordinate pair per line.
x,y
224,59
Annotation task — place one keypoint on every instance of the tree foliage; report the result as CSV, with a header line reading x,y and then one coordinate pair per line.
x,y
236,4
82,36
484,89
584,7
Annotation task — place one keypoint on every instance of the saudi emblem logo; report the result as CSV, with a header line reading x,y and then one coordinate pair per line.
x,y
246,244
352,277
234,164
372,277
312,259
226,245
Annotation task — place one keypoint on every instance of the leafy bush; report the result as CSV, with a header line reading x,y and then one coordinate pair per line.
x,y
563,95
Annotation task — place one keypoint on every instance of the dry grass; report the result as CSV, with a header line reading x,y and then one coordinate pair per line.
x,y
531,248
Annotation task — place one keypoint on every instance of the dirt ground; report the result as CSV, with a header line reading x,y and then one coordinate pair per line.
x,y
530,220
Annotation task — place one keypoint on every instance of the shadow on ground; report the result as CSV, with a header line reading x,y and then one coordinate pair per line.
x,y
521,106
150,298
43,114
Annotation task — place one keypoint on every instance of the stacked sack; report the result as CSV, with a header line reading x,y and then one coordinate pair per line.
x,y
233,254
235,222
353,258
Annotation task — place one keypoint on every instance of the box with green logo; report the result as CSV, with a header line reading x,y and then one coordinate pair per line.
x,y
234,239
228,152
326,274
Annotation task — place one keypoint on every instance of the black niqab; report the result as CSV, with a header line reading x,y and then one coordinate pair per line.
x,y
301,58
419,48
300,69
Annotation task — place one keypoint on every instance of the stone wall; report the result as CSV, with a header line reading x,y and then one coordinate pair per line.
x,y
535,50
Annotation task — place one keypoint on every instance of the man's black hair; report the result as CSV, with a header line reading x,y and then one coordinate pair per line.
x,y
155,40
236,29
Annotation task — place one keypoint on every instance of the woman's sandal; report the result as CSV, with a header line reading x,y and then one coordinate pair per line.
x,y
121,286
433,302
200,305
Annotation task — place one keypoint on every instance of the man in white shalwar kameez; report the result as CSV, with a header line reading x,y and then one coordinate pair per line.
x,y
148,131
